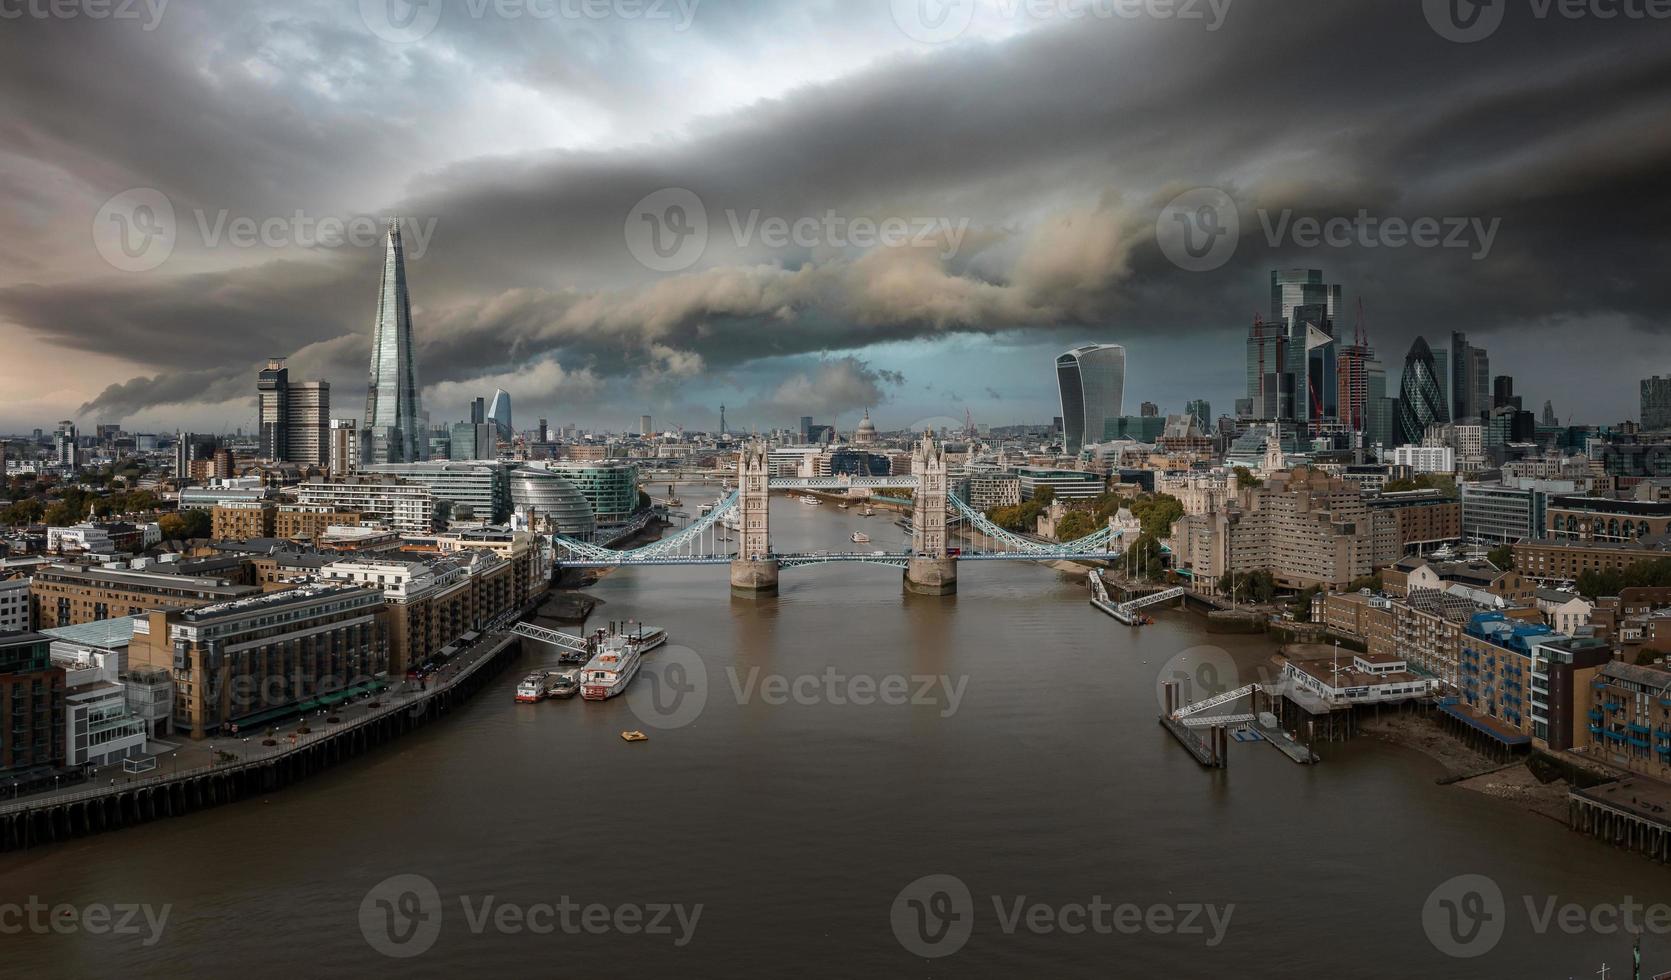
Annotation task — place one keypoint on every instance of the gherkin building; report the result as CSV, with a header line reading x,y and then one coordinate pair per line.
x,y
1421,398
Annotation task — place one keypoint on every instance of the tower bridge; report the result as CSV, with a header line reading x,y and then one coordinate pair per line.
x,y
930,566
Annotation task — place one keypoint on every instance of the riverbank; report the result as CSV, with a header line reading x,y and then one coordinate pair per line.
x,y
253,767
1466,769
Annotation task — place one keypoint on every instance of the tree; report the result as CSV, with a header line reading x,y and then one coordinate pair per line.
x,y
1246,480
1257,586
1075,524
1370,582
1301,606
1502,557
185,525
1157,512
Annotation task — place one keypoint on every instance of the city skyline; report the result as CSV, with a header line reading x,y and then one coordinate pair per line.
x,y
526,281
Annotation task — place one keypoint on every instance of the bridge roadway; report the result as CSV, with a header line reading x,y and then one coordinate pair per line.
x,y
792,560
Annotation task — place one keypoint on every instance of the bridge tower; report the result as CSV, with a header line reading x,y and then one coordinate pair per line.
x,y
930,571
754,570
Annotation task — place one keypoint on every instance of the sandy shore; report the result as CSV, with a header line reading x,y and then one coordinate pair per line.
x,y
1469,769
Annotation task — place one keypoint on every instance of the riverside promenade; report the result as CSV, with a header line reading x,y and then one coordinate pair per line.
x,y
210,772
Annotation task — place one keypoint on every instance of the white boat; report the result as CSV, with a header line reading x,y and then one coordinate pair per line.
x,y
617,659
868,511
611,669
532,688
811,501
731,521
859,537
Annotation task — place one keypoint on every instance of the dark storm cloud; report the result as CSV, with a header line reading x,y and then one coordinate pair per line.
x,y
1058,147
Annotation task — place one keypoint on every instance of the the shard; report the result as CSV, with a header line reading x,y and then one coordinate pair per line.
x,y
394,430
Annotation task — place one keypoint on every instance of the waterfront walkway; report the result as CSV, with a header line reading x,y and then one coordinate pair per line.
x,y
187,758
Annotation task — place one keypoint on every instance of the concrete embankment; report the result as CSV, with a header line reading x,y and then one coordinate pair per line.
x,y
63,816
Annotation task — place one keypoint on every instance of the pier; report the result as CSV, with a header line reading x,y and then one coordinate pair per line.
x,y
1634,814
1186,722
57,816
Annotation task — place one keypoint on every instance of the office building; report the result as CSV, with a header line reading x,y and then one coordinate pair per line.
x,y
100,725
1092,383
1270,389
1203,412
611,488
466,490
272,388
551,503
1470,370
1064,484
1499,514
67,446
473,441
308,438
395,430
292,416
1656,403
1421,398
499,415
644,425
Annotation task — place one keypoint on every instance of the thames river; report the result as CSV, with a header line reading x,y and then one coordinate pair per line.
x,y
844,781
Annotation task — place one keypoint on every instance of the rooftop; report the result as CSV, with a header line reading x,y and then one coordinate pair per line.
x,y
105,634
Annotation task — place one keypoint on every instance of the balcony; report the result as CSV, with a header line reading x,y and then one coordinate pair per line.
x,y
1639,728
1596,715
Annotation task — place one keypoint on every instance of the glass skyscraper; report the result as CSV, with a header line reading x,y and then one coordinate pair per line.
x,y
394,425
500,414
1421,398
1092,380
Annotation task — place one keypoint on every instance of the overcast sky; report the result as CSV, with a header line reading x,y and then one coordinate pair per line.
x,y
660,206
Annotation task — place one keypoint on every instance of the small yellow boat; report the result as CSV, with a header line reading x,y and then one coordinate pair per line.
x,y
635,736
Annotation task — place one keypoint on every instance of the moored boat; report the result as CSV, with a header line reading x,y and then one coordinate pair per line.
x,y
531,688
562,684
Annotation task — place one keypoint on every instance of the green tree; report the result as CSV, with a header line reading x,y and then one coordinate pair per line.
x,y
1246,480
185,525
1502,557
1075,524
1157,512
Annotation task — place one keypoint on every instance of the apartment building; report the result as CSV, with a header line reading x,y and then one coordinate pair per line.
x,y
242,520
239,662
65,595
1630,718
31,709
405,506
1308,528
298,522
